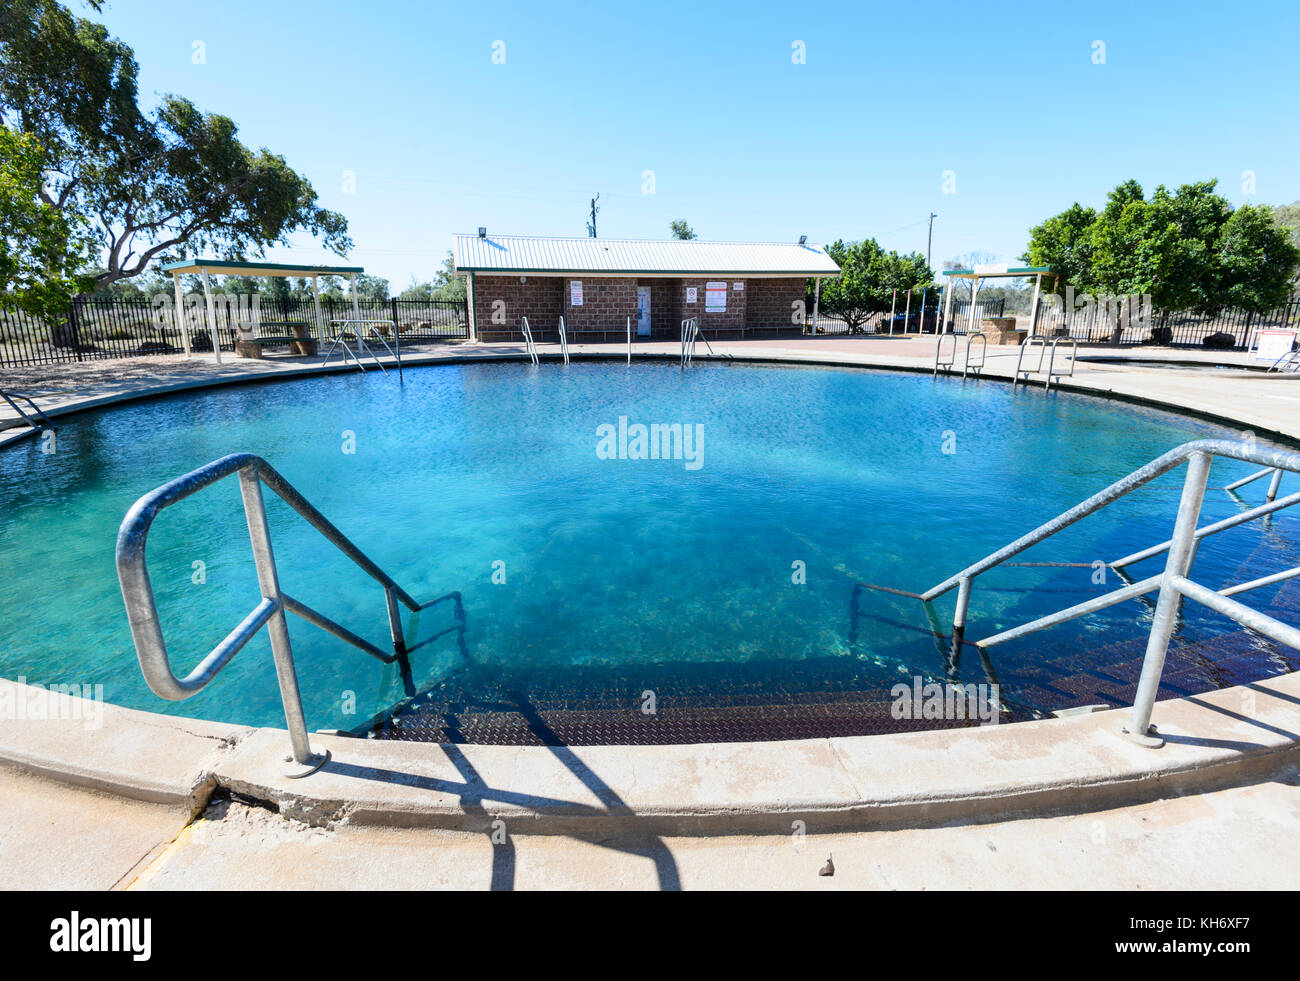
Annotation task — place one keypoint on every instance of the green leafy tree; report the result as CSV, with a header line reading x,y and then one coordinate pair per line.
x,y
682,230
868,278
447,285
41,248
1188,249
371,287
146,183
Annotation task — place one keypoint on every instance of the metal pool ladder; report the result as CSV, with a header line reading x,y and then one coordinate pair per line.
x,y
142,611
1288,362
564,342
1041,343
947,365
529,346
41,420
690,333
360,328
1173,584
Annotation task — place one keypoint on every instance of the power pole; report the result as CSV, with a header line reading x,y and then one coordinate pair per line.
x,y
591,225
928,236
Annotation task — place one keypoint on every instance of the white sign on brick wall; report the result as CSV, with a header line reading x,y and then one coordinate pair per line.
x,y
715,297
737,286
692,294
575,292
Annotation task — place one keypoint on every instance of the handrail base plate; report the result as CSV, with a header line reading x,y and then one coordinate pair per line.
x,y
293,769
1151,739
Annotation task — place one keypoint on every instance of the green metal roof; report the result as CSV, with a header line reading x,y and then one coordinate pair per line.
x,y
990,271
234,267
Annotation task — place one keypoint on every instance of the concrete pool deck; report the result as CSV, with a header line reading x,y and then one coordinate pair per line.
x,y
130,790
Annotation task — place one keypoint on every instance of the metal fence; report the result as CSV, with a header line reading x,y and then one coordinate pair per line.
x,y
97,328
1232,329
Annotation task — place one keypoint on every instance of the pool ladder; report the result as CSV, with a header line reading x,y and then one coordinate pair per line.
x,y
39,420
269,612
690,334
1289,362
529,347
947,365
1023,373
359,329
1173,584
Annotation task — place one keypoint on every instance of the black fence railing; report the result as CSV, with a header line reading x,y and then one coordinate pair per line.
x,y
97,328
1119,325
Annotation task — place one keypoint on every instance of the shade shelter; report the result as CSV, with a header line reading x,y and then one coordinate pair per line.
x,y
995,271
228,267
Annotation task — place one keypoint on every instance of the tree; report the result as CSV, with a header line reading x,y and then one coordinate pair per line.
x,y
681,230
146,183
371,287
447,284
868,278
1188,249
41,248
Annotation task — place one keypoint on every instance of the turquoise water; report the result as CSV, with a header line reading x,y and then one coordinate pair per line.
x,y
606,561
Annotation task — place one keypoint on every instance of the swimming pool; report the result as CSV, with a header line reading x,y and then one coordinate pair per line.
x,y
721,582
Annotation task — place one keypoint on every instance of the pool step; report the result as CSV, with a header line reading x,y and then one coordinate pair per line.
x,y
706,702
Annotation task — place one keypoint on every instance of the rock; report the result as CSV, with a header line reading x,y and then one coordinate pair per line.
x,y
1161,335
828,868
1220,341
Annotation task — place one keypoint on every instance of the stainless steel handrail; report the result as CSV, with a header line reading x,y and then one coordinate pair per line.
x,y
359,329
951,362
938,353
564,342
42,421
529,346
1051,361
1034,340
142,611
984,353
1172,584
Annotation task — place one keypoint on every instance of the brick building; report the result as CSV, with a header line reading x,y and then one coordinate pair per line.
x,y
597,285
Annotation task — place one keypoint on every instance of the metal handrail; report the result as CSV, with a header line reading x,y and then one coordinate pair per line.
x,y
1173,584
938,353
42,421
564,342
690,334
967,367
1051,361
984,351
529,346
1028,342
359,330
142,611
1287,362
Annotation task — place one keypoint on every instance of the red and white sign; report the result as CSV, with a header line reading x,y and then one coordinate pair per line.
x,y
715,297
1272,344
575,292
692,294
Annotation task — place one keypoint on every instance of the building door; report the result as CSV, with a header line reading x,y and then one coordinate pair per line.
x,y
643,311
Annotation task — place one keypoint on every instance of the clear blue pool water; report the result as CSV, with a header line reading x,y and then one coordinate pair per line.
x,y
607,562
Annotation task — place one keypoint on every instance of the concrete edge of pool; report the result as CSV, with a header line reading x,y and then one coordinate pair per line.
x,y
1221,738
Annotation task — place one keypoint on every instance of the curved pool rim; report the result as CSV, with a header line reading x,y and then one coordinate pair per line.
x,y
888,780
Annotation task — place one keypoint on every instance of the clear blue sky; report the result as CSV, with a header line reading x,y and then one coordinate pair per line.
x,y
744,144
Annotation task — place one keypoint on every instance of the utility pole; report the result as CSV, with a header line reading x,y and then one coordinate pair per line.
x,y
928,236
591,225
